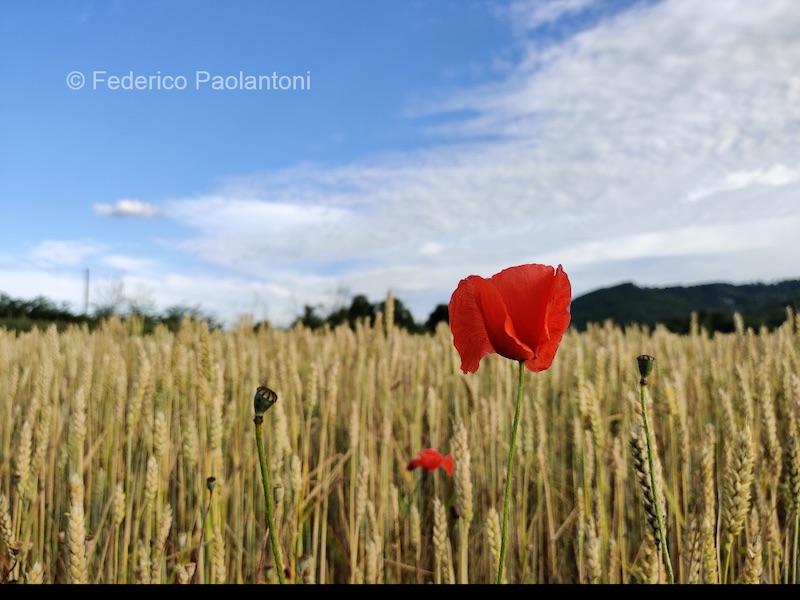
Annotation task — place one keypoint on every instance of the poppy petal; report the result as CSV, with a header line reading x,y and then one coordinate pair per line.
x,y
431,459
520,313
538,299
480,324
526,292
417,462
557,321
470,337
447,464
499,324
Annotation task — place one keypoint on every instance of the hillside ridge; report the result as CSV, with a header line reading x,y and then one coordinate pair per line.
x,y
759,304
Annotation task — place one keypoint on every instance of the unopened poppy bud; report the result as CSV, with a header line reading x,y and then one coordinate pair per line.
x,y
263,400
646,364
455,511
210,483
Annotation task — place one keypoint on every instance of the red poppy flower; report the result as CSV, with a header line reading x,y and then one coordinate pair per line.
x,y
519,313
432,459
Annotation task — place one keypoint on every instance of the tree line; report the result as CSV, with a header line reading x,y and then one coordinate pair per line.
x,y
23,315
361,309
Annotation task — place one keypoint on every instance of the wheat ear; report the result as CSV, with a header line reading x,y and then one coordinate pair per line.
x,y
463,485
642,469
35,574
441,544
753,562
738,479
493,533
78,568
709,522
6,532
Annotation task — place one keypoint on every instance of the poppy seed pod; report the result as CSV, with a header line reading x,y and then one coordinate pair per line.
x,y
646,364
263,400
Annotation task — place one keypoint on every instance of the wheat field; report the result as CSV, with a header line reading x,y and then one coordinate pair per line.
x,y
131,458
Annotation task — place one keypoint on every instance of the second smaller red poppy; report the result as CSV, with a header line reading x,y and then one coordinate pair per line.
x,y
431,460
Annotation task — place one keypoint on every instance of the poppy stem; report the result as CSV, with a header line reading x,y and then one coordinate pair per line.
x,y
653,482
273,534
508,472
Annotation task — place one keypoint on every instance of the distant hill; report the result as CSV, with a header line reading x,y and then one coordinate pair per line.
x,y
715,304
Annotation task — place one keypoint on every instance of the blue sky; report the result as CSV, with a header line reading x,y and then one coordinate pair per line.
x,y
653,142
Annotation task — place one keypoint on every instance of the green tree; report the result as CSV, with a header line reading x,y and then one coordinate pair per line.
x,y
440,314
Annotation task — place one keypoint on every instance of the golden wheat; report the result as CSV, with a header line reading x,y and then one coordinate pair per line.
x,y
144,420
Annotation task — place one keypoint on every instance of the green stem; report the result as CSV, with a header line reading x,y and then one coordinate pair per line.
x,y
273,534
656,492
202,545
728,546
508,473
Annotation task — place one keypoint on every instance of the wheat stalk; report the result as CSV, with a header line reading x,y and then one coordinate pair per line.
x,y
650,557
693,553
738,479
159,543
641,468
6,527
493,533
78,567
753,565
441,544
463,483
594,571
708,526
35,574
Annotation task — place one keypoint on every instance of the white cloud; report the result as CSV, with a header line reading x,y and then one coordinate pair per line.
x,y
129,264
59,252
127,208
431,249
775,176
29,283
594,145
584,155
530,14
253,215
688,241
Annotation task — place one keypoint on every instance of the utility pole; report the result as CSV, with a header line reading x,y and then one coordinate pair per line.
x,y
86,294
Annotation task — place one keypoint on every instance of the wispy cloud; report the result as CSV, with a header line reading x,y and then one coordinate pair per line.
x,y
30,283
584,154
129,264
531,14
59,252
775,176
127,208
